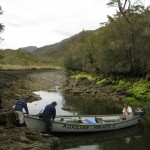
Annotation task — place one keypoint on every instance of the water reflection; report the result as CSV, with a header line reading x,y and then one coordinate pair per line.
x,y
135,138
110,140
46,98
91,106
82,105
88,147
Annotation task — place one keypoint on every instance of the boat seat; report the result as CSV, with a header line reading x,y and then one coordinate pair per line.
x,y
111,119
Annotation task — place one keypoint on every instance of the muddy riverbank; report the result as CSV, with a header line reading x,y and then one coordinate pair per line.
x,y
16,83
85,87
14,138
13,84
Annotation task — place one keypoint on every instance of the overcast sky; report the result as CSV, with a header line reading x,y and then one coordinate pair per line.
x,y
44,22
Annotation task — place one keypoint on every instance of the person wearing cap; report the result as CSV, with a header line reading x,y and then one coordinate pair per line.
x,y
49,115
126,112
19,106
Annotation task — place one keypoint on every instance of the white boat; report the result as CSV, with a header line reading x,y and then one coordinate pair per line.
x,y
90,123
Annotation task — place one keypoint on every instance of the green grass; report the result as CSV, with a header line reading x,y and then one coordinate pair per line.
x,y
138,91
83,75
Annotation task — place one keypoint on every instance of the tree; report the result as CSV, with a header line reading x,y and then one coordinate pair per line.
x,y
1,25
121,46
129,10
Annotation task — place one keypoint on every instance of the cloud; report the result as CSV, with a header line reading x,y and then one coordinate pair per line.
x,y
44,22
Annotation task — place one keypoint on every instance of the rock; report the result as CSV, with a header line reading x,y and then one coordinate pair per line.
x,y
24,138
91,88
7,118
33,137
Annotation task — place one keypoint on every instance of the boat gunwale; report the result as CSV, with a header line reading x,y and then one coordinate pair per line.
x,y
90,124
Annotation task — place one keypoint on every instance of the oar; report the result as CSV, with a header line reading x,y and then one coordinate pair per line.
x,y
40,114
41,110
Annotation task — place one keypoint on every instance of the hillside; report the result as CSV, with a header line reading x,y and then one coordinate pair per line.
x,y
19,57
29,48
113,48
58,50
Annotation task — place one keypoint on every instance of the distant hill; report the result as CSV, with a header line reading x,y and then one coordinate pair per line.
x,y
29,48
53,54
57,51
20,57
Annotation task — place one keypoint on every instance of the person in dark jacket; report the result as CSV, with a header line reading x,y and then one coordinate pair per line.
x,y
49,115
19,106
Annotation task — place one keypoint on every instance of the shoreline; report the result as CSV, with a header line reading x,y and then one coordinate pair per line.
x,y
108,91
13,85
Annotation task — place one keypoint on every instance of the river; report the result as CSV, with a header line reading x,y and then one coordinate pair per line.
x,y
133,138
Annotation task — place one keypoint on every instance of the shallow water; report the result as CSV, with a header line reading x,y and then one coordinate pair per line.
x,y
133,138
47,98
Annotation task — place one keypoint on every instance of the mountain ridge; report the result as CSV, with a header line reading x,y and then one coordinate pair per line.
x,y
61,47
29,48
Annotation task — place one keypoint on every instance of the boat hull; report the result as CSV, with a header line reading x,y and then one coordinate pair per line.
x,y
61,126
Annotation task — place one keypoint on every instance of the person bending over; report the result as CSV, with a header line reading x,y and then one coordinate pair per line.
x,y
19,106
49,115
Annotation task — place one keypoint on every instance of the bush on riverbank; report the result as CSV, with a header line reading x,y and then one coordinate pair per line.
x,y
139,92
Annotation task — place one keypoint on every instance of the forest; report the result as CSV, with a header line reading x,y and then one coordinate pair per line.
x,y
120,46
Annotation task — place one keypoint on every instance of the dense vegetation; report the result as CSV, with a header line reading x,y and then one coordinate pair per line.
x,y
115,48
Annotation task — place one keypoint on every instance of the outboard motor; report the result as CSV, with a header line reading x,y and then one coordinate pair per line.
x,y
139,111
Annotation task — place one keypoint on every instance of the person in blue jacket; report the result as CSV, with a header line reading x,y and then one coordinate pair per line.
x,y
49,115
19,106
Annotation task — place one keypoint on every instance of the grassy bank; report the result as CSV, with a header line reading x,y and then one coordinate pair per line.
x,y
137,89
